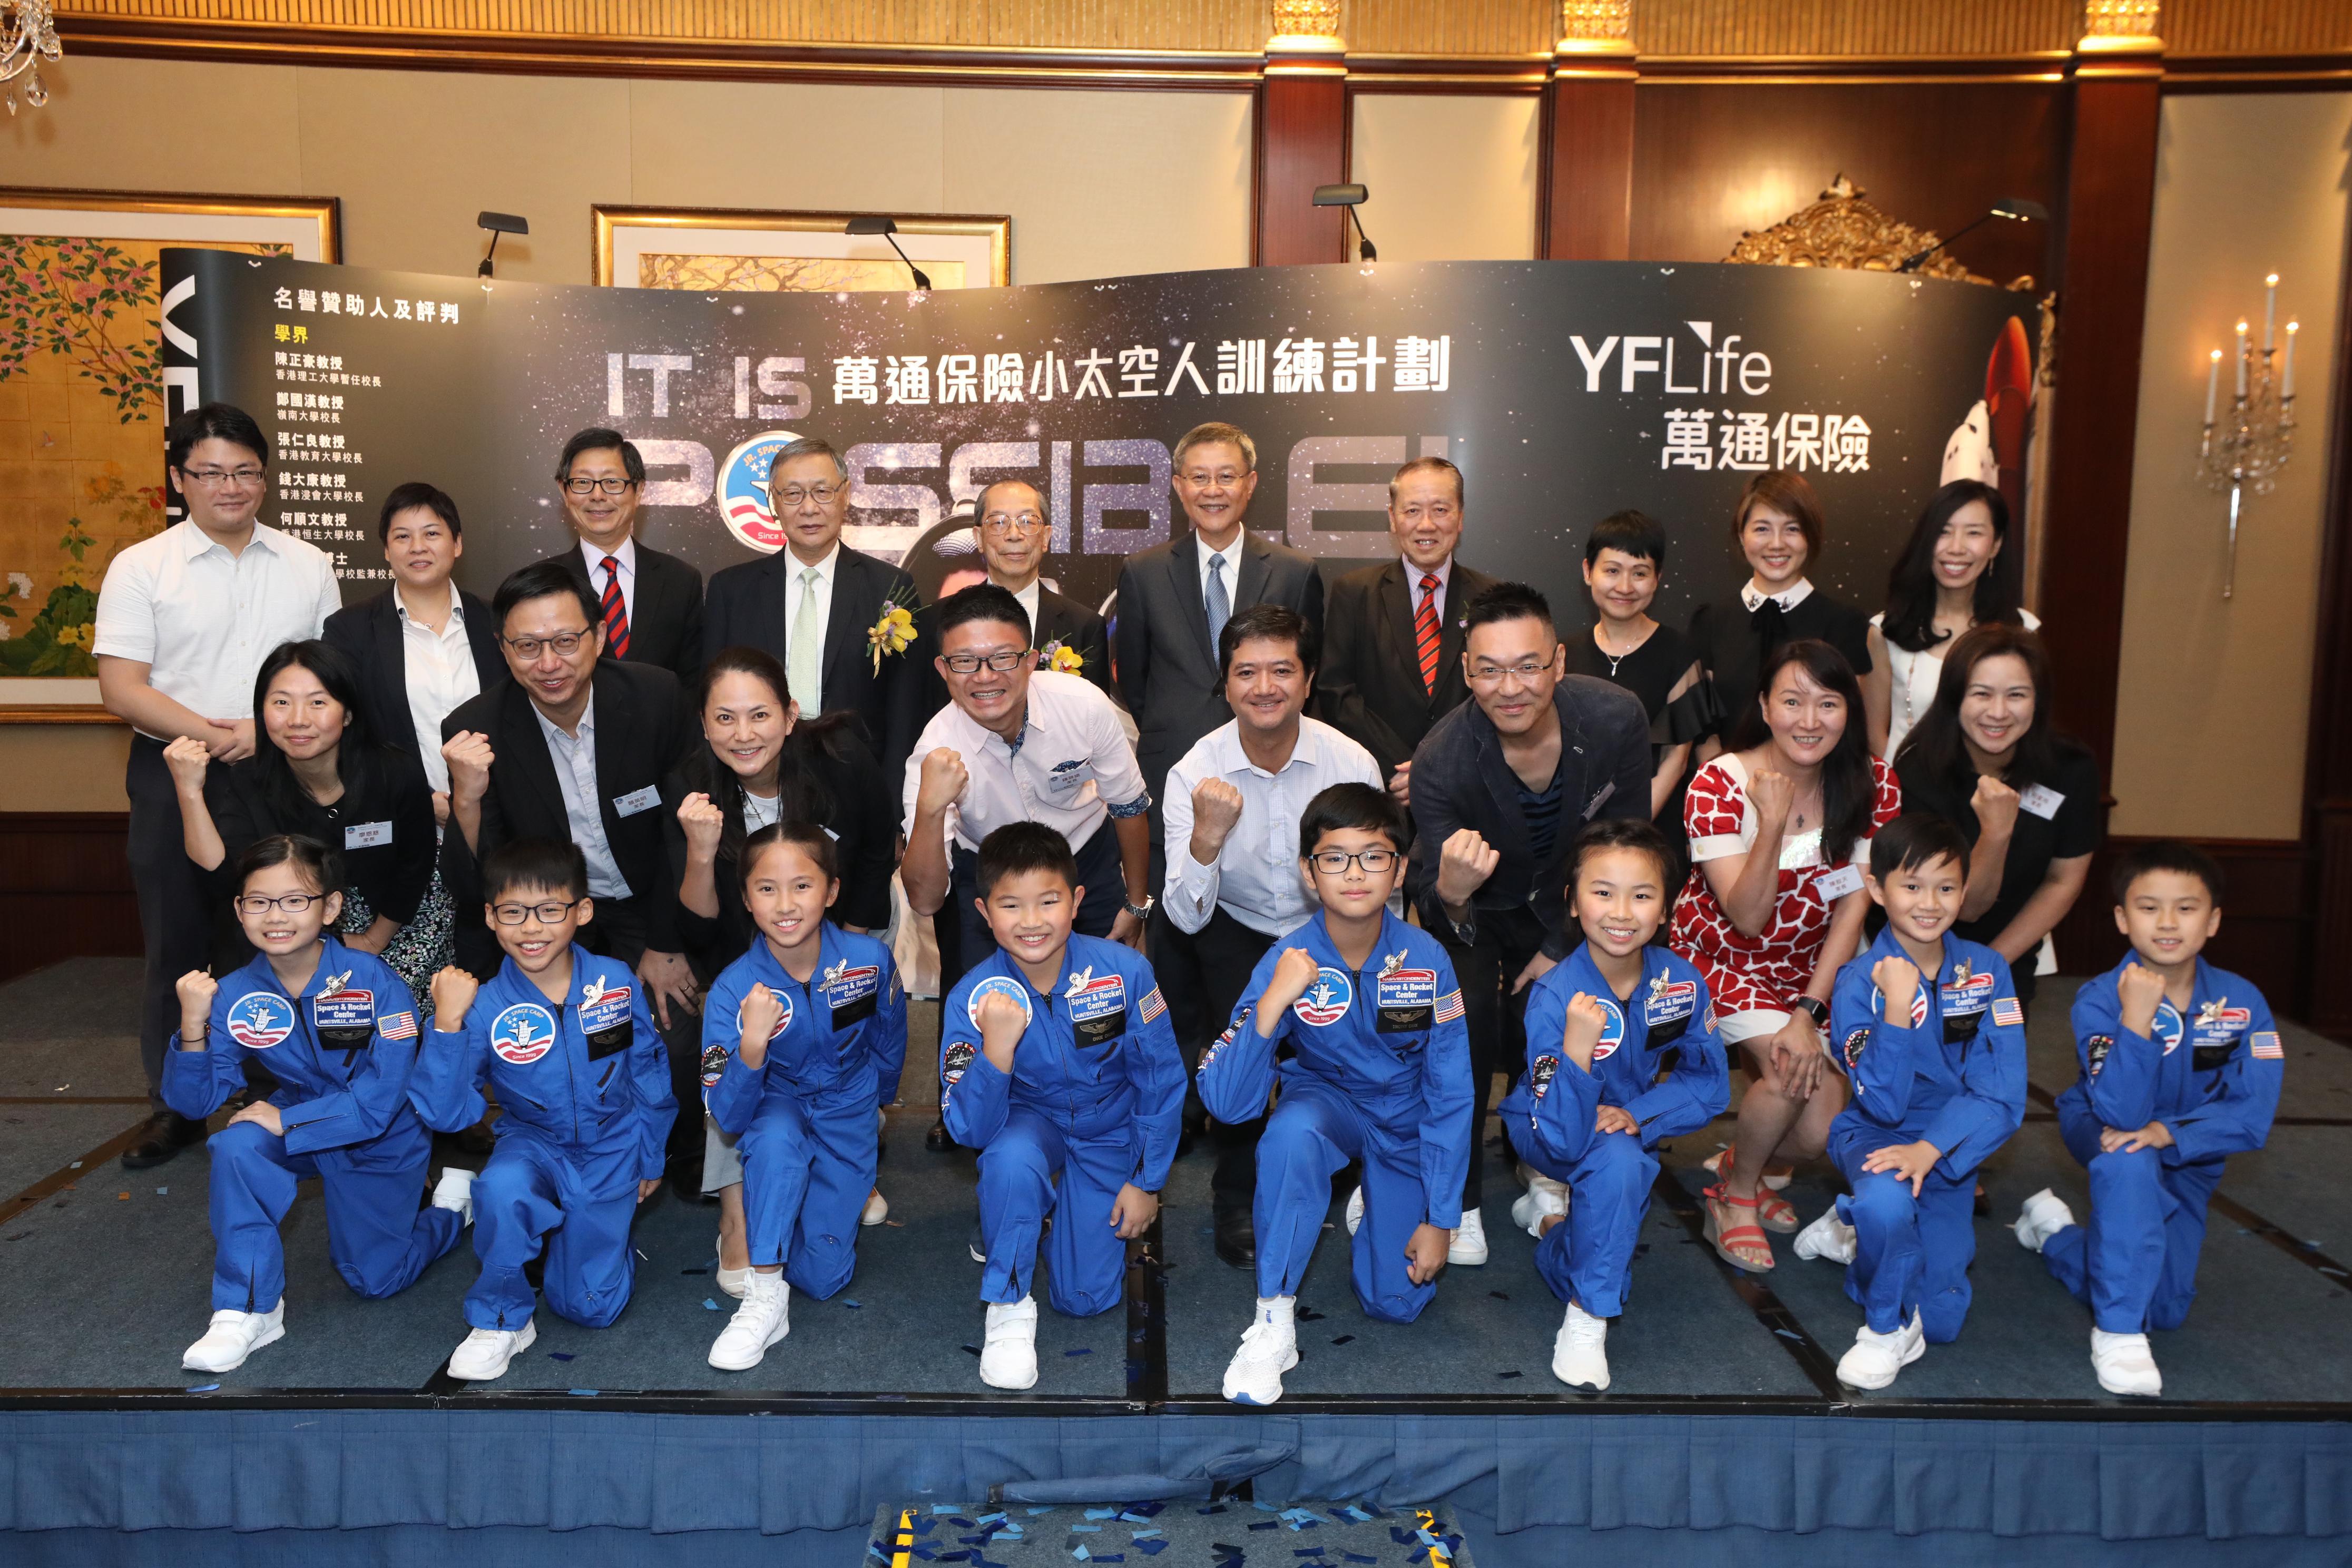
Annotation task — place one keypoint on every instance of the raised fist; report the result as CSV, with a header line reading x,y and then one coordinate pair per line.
x,y
1464,864
469,757
942,783
2139,991
187,758
761,1011
1586,1020
196,990
1897,979
1216,809
703,823
1772,794
1996,807
453,994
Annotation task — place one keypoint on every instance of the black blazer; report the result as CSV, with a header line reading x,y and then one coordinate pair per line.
x,y
1071,624
642,729
1369,687
665,625
1167,667
746,608
391,789
369,632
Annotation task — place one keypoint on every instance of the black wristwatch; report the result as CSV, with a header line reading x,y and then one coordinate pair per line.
x,y
1816,1009
1140,911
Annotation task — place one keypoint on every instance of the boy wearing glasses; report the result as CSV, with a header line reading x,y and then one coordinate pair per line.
x,y
567,1040
1379,1072
650,603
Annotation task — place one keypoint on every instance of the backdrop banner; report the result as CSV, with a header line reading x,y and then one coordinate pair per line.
x,y
1564,391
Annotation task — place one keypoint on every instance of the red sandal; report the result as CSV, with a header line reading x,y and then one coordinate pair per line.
x,y
1723,1237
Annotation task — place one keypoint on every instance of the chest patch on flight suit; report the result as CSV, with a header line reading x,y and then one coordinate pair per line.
x,y
2216,1034
522,1033
2168,1029
851,992
1328,1000
1405,999
1540,1074
1666,1010
345,1018
1966,992
1612,1031
605,1019
996,985
260,1021
1098,1006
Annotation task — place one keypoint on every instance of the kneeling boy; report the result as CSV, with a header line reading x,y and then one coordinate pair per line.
x,y
2180,1069
1056,1060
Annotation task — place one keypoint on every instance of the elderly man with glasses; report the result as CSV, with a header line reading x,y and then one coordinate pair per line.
x,y
1014,535
651,604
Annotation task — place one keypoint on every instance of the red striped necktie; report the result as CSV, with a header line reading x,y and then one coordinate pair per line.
x,y
1424,631
616,613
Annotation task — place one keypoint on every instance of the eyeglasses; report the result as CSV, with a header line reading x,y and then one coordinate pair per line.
x,y
998,524
1226,477
565,644
1335,862
970,663
1526,674
549,913
213,478
793,495
292,903
611,487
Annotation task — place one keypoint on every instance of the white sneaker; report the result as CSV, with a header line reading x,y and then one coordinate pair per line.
x,y
1579,1352
455,1191
764,1317
487,1351
2124,1363
1828,1238
1355,1210
1008,1355
1468,1247
876,1209
1269,1348
2045,1213
234,1336
1875,1358
1543,1198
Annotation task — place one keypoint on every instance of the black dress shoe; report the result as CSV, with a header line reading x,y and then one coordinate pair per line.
x,y
1236,1240
936,1140
686,1185
166,1135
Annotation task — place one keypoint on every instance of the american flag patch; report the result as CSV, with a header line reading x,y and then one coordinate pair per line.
x,y
2266,1045
402,1026
2007,1010
1449,1007
1152,1006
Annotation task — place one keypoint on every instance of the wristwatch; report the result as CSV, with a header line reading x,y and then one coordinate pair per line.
x,y
1140,911
1816,1009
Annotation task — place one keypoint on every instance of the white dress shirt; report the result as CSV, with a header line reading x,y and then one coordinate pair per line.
x,y
627,557
202,620
1788,598
583,805
1442,572
1232,559
1072,769
826,570
438,667
1254,877
1029,599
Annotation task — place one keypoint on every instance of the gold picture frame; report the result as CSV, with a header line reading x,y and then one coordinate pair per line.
x,y
742,249
82,396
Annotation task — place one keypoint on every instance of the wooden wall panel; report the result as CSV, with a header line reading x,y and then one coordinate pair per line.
x,y
1302,132
65,889
1586,189
2327,761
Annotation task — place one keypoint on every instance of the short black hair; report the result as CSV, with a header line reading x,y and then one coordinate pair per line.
x,y
1638,833
542,580
212,422
1629,532
1350,805
596,438
322,865
981,602
1913,839
553,864
417,493
2166,855
1507,602
1023,847
1269,623
809,839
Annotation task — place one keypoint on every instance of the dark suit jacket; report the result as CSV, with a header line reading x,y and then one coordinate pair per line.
x,y
1167,667
1073,626
746,608
642,730
1460,779
369,632
1369,688
665,623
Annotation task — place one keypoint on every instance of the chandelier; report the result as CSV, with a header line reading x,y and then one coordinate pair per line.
x,y
29,34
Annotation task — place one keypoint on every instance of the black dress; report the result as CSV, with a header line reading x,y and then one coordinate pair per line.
x,y
1649,672
1733,642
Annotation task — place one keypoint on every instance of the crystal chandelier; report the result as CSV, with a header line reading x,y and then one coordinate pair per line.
x,y
29,34
2247,444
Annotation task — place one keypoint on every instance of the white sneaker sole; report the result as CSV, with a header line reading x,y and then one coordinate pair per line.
x,y
528,1337
269,1337
1008,1384
1598,1384
1914,1352
775,1338
1242,1395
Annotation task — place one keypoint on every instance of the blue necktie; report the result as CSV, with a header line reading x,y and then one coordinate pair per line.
x,y
1220,606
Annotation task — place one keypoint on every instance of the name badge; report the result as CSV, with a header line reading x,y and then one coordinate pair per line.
x,y
1966,994
605,1019
1405,1000
1068,776
367,834
636,800
1098,1006
851,992
1668,1001
2040,800
1835,885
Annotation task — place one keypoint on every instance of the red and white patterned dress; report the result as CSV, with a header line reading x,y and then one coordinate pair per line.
x,y
1766,973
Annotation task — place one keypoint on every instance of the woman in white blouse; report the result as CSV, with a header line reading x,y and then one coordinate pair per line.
x,y
1955,572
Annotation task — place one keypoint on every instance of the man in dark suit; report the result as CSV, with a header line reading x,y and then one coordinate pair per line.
x,y
1393,638
574,747
811,604
651,604
1014,529
423,645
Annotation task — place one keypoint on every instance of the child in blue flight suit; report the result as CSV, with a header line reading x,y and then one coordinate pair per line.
x,y
1381,1074
1056,1059
1931,1033
583,1080
338,1030
1600,1024
2180,1069
802,1038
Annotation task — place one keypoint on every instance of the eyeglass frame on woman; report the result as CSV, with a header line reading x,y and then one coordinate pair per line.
x,y
524,911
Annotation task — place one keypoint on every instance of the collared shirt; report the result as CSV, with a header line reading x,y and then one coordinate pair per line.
x,y
1231,554
1029,599
826,570
575,775
1070,769
440,669
1442,572
1254,877
1787,598
202,620
627,557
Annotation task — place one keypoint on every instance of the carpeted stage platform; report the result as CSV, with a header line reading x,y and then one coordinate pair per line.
x,y
1725,1428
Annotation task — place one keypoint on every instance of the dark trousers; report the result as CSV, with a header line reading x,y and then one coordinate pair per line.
x,y
619,931
1494,1017
1201,976
964,936
174,906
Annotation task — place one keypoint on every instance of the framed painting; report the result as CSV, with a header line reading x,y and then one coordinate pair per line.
x,y
83,406
716,250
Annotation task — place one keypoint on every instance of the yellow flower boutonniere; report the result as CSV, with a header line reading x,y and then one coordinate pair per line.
x,y
1059,656
894,632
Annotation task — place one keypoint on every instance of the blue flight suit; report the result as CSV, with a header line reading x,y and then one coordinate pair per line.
x,y
1953,1075
342,1053
1382,1075
1586,1257
1096,1095
585,1108
806,1118
2212,1079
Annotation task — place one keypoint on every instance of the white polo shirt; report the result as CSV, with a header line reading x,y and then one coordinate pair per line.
x,y
202,620
1254,877
1071,768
